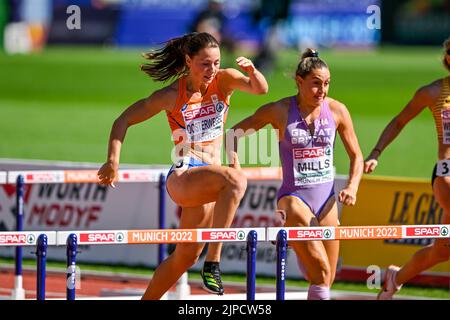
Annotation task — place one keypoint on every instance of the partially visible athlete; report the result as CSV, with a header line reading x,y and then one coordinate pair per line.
x,y
436,97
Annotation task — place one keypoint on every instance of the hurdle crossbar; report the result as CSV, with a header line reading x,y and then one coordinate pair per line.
x,y
157,236
25,238
362,232
83,176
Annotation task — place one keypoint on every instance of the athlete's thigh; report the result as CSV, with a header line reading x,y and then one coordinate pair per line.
x,y
441,190
298,214
311,253
330,218
200,185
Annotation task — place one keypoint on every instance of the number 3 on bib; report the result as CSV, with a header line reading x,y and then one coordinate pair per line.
x,y
443,168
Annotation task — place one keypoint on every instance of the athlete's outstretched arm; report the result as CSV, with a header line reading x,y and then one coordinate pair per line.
x,y
139,111
420,100
347,133
254,83
262,116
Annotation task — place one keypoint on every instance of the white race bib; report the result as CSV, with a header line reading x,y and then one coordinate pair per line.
x,y
443,168
204,122
312,165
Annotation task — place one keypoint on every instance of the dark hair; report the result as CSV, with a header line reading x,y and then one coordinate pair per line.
x,y
310,60
169,61
446,45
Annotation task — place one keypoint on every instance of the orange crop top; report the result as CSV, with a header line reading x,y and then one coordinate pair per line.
x,y
198,120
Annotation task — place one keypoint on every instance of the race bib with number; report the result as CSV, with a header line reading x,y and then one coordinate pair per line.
x,y
312,165
204,122
443,168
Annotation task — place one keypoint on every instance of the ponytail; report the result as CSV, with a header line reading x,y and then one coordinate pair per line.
x,y
170,62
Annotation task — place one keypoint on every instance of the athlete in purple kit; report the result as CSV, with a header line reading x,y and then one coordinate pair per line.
x,y
306,125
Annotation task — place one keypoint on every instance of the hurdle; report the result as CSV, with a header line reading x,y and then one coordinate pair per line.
x,y
21,178
283,235
40,239
156,236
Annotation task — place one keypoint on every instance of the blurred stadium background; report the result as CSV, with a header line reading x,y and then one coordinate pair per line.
x,y
65,78
67,92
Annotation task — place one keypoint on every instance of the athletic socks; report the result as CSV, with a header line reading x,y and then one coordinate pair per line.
x,y
316,292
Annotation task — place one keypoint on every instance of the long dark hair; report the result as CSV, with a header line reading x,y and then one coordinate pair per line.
x,y
169,61
309,61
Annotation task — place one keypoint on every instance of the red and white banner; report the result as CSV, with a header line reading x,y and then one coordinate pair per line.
x,y
25,238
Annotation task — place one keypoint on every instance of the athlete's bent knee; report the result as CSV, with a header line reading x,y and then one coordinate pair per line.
x,y
237,182
187,257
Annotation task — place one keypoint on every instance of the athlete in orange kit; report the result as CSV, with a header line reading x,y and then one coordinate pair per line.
x,y
196,104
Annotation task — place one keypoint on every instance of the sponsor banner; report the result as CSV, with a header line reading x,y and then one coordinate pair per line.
x,y
303,233
74,176
162,236
2,177
25,238
368,232
391,202
227,235
84,176
94,237
431,231
36,177
361,232
133,175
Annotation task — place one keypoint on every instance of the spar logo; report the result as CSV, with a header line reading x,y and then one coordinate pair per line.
x,y
219,106
310,234
241,235
14,238
102,237
307,153
426,231
31,239
220,235
200,112
120,237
